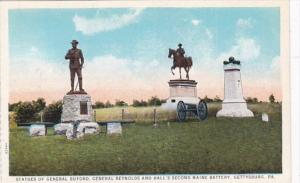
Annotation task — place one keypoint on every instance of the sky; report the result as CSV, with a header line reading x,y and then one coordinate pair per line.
x,y
126,50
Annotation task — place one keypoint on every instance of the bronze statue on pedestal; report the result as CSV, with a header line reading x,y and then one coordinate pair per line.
x,y
76,63
179,60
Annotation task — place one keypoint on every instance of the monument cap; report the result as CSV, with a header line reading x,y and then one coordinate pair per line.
x,y
74,41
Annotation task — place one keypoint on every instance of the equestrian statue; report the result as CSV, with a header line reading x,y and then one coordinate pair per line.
x,y
179,60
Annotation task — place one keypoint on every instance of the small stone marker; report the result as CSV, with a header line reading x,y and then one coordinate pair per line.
x,y
265,117
37,130
62,128
114,128
87,128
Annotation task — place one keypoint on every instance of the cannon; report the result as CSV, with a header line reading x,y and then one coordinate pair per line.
x,y
200,110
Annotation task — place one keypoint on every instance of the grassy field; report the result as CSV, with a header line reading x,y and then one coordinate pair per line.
x,y
216,145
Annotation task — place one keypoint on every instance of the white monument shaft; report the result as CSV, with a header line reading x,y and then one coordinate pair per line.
x,y
233,104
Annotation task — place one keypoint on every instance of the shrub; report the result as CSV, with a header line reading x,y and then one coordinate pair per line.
x,y
52,112
154,101
12,107
121,103
137,103
272,98
12,120
26,112
99,105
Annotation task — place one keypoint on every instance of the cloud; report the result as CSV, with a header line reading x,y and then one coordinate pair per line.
x,y
196,22
245,49
209,33
100,24
275,64
245,23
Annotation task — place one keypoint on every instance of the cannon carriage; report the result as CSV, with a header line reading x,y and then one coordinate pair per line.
x,y
199,110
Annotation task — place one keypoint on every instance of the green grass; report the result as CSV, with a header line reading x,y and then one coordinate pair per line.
x,y
217,145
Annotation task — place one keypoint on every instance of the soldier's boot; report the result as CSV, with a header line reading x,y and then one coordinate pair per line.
x,y
72,87
80,84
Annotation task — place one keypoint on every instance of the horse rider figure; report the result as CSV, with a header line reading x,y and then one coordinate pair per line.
x,y
180,51
76,62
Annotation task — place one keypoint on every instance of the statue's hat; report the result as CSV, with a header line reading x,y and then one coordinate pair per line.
x,y
179,44
74,41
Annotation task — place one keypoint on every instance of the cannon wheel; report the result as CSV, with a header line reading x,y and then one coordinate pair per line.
x,y
181,111
202,110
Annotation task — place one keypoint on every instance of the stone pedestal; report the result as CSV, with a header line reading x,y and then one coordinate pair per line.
x,y
233,104
77,107
181,90
37,130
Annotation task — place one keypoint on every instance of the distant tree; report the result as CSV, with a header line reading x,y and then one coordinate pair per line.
x,y
26,112
255,100
120,103
52,113
12,107
143,103
217,99
99,105
154,101
272,98
108,104
39,104
249,100
207,100
137,103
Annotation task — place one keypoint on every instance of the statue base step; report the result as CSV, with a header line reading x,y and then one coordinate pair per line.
x,y
234,109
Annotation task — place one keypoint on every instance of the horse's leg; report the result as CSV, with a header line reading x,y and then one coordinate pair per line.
x,y
180,72
187,69
172,68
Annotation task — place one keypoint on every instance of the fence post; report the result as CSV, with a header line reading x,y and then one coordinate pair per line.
x,y
41,116
154,118
122,114
95,115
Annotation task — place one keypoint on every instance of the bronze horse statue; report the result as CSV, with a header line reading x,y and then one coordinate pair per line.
x,y
180,61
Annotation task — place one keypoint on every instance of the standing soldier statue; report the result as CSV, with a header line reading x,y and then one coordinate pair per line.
x,y
74,55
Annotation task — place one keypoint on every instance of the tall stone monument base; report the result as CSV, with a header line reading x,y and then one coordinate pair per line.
x,y
77,107
77,117
181,90
234,109
233,104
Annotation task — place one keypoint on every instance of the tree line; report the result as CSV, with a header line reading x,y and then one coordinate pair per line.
x,y
153,101
35,110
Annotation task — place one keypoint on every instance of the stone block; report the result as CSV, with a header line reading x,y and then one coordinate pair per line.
x,y
114,128
37,130
265,117
77,107
61,128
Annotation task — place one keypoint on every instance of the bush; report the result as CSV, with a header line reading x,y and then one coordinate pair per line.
x,y
26,112
12,107
39,104
12,120
52,112
98,105
121,103
108,104
137,103
154,101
